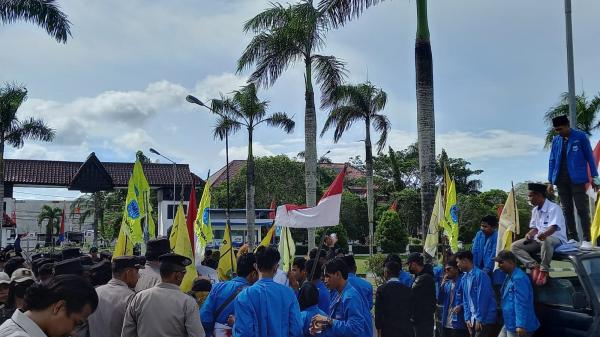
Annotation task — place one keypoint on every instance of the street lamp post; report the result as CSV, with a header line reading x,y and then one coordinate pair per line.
x,y
174,176
194,100
570,62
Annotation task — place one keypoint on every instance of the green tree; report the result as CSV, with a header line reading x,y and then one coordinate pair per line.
x,y
353,216
44,13
52,217
244,110
14,131
390,235
409,209
341,234
105,209
285,35
349,104
587,114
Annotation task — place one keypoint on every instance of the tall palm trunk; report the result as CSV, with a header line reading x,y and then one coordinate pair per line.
x,y
425,114
310,146
96,217
250,213
2,210
369,164
49,238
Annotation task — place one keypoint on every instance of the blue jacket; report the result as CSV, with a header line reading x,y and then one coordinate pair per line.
x,y
219,293
517,303
438,274
267,309
484,251
350,314
458,321
406,278
478,297
363,287
324,299
579,158
307,315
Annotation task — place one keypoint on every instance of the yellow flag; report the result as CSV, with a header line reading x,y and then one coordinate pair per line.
x,y
142,192
451,217
124,246
180,243
508,223
595,228
266,241
435,223
447,180
132,217
202,225
287,249
227,263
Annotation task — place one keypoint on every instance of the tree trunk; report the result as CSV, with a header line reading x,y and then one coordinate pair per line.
x,y
49,238
95,224
250,213
425,114
2,210
310,146
370,196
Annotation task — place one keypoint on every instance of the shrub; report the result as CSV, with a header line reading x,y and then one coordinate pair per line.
x,y
390,235
375,266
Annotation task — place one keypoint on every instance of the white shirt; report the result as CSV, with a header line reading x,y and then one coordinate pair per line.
x,y
281,278
19,325
548,215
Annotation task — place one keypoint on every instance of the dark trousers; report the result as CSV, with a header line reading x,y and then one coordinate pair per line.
x,y
456,332
574,192
424,328
487,330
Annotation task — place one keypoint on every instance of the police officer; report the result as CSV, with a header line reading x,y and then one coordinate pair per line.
x,y
150,275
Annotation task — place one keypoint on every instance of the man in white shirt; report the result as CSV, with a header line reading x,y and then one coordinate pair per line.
x,y
547,231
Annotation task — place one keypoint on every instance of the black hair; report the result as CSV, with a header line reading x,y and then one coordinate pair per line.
x,y
393,268
393,258
17,290
76,291
491,220
266,258
465,254
335,265
168,268
13,264
45,270
300,262
350,262
245,264
309,268
308,295
313,253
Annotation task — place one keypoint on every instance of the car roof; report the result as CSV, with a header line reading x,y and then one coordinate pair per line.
x,y
575,255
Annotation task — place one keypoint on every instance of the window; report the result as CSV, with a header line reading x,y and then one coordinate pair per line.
x,y
171,209
592,268
561,286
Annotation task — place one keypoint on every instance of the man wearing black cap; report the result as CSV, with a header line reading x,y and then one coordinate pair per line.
x,y
68,267
150,275
113,298
422,297
547,231
570,158
163,310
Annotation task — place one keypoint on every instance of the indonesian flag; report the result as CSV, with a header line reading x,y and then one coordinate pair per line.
x,y
325,214
589,189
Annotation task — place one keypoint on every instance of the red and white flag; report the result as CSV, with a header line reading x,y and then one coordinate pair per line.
x,y
325,214
589,189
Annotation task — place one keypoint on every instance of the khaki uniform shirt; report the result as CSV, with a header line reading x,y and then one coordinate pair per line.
x,y
113,298
162,311
149,276
19,325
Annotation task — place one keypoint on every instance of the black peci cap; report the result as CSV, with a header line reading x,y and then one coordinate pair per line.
x,y
157,247
560,121
536,187
68,267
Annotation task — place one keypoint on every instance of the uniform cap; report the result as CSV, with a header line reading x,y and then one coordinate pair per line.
x,y
67,267
122,262
21,275
157,247
4,278
69,253
175,259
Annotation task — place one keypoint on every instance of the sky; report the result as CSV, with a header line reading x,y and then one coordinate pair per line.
x,y
119,84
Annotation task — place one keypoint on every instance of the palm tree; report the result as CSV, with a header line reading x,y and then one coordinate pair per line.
x,y
244,109
587,114
97,206
284,36
52,217
363,102
44,13
13,131
344,10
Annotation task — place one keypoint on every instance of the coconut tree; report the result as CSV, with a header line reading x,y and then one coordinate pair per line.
x,y
99,206
587,114
286,35
44,13
52,217
243,109
13,131
353,103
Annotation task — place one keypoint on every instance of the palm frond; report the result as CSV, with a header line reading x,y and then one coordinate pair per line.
x,y
225,126
341,11
44,13
382,125
281,120
34,129
348,94
341,118
12,95
330,73
379,100
275,16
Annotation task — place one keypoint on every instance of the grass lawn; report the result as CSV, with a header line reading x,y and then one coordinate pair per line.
x,y
361,264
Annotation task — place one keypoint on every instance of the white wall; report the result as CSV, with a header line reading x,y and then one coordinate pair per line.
x,y
27,212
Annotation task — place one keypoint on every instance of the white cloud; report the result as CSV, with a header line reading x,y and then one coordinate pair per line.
x,y
490,144
137,139
241,152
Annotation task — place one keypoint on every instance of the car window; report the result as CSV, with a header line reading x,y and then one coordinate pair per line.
x,y
592,268
561,285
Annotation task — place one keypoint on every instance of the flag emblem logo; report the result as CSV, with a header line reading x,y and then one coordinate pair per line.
x,y
133,209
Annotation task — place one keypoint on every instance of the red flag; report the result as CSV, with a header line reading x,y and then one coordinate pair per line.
x,y
191,215
394,206
14,212
272,207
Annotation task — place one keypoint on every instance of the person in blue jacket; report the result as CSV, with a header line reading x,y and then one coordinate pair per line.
x,y
484,248
517,299
404,277
450,298
308,298
218,307
478,298
324,293
570,158
349,314
267,308
364,287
